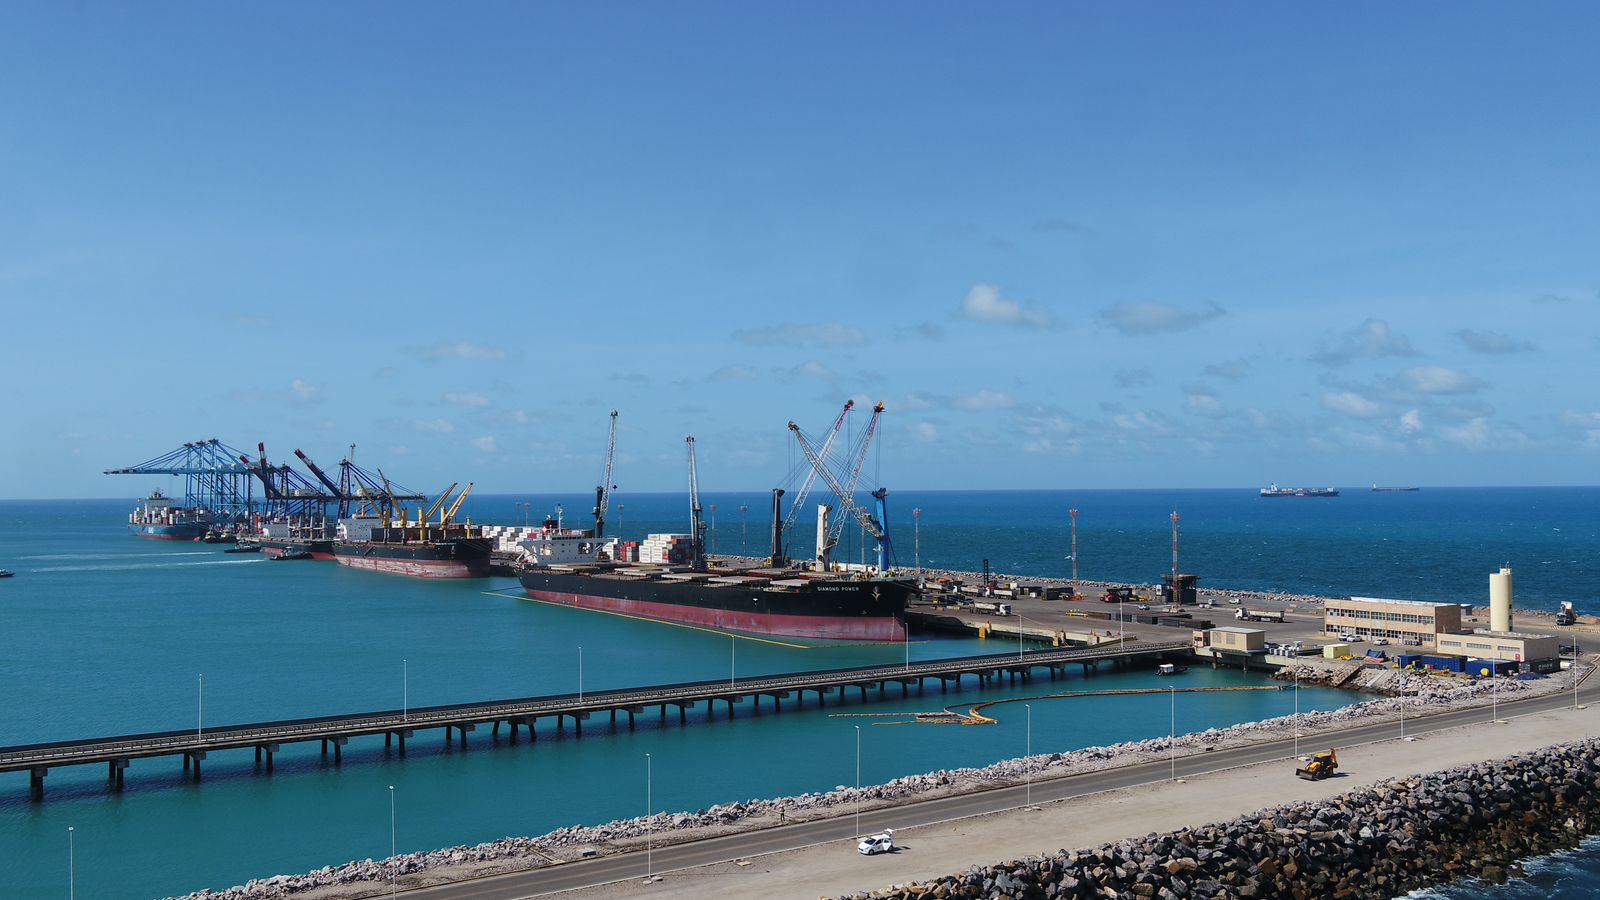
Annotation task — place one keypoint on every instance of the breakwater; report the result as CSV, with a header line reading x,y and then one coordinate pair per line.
x,y
1376,842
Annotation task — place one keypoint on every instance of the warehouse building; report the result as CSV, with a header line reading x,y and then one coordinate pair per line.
x,y
1415,623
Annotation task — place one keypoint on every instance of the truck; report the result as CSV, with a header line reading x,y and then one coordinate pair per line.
x,y
1566,616
1258,615
993,609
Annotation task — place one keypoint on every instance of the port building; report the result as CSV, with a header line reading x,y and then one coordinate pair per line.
x,y
1501,645
1417,623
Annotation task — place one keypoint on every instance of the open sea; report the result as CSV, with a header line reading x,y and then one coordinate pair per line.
x,y
106,634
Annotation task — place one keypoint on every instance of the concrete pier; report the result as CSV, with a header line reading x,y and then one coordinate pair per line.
x,y
457,720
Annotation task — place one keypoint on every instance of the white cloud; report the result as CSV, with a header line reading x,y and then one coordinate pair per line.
x,y
434,426
824,334
487,444
1474,435
463,350
1438,380
925,432
984,399
1573,419
520,417
1233,369
1140,422
915,401
1411,422
984,304
1351,403
1489,342
471,398
1206,405
1153,317
1131,378
1372,339
305,390
734,373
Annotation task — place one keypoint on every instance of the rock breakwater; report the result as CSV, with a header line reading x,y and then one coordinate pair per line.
x,y
1373,843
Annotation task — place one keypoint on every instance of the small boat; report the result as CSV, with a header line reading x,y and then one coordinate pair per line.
x,y
6,573
244,548
1170,669
294,553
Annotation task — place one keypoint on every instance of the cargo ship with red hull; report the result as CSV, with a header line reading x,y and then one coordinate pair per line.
x,y
838,609
660,579
435,551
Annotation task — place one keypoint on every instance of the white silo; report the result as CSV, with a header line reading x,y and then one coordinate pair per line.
x,y
1500,599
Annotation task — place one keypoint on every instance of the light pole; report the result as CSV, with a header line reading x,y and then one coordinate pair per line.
x,y
907,626
744,530
713,529
620,508
580,674
405,690
200,714
1576,655
1028,761
858,781
649,810
1172,733
733,659
916,539
72,867
392,862
1074,514
1297,714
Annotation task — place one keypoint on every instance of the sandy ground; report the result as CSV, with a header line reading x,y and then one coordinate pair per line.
x,y
934,850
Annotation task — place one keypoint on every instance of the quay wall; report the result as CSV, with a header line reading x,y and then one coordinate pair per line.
x,y
1373,843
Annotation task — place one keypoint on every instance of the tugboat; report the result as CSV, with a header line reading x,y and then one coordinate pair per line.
x,y
243,547
293,553
6,573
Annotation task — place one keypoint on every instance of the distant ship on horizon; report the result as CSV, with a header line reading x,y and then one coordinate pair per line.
x,y
1375,487
1273,490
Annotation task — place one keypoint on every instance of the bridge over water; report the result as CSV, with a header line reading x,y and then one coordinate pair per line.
x,y
459,719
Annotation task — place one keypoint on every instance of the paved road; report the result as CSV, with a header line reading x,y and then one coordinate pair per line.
x,y
636,865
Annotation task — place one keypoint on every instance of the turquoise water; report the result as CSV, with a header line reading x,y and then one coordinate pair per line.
x,y
109,634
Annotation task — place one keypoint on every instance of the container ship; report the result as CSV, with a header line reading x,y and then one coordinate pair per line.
x,y
1274,491
157,518
1394,490
574,568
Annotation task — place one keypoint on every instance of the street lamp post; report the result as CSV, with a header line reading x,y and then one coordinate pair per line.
x,y
1074,514
744,530
713,529
733,660
200,714
916,540
72,866
580,674
1172,733
405,690
1297,714
858,781
620,508
1028,762
392,862
1576,655
649,810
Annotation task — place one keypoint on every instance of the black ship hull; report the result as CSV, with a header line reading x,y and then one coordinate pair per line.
x,y
459,558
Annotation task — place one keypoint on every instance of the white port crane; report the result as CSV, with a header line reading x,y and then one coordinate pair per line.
x,y
602,492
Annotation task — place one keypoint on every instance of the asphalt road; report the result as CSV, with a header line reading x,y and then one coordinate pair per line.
x,y
636,865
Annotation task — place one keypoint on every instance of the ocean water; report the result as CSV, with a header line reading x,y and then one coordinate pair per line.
x,y
108,634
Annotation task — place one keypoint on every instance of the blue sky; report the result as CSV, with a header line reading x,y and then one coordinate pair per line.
x,y
1069,245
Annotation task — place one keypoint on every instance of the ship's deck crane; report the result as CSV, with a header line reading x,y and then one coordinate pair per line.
x,y
438,504
456,506
602,492
845,491
696,525
800,496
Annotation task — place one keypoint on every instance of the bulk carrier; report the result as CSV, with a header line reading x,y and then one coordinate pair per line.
x,y
442,550
667,578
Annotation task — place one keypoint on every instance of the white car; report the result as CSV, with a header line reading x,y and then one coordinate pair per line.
x,y
1350,638
882,842
1381,642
